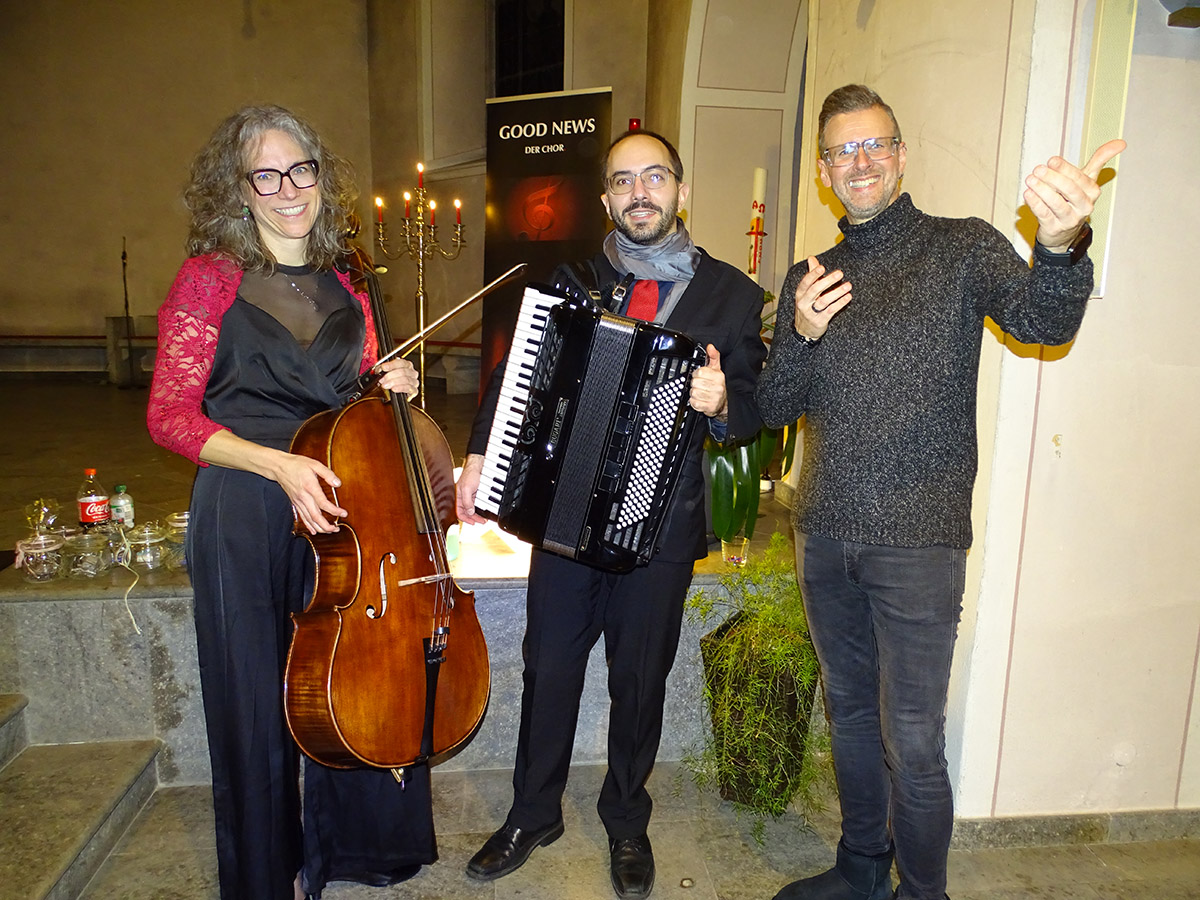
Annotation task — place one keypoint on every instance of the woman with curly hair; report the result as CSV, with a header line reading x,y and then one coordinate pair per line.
x,y
260,331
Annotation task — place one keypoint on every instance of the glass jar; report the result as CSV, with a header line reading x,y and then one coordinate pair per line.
x,y
176,534
41,557
87,555
114,535
147,547
63,532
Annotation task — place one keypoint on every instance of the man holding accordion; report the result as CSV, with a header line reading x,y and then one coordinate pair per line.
x,y
648,269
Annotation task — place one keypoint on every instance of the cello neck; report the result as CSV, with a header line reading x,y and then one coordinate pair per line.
x,y
424,507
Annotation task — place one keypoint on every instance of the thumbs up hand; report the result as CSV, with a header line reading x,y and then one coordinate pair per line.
x,y
707,393
1062,195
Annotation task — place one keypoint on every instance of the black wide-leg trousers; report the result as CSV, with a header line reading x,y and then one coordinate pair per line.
x,y
249,574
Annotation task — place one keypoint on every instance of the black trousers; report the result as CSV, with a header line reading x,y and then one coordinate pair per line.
x,y
569,606
248,575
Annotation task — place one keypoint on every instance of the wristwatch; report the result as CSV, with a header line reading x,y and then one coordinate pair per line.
x,y
1073,254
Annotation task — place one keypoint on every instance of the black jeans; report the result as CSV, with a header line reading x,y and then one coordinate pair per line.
x,y
884,621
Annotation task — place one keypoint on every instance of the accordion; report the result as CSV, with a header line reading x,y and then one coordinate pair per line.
x,y
590,431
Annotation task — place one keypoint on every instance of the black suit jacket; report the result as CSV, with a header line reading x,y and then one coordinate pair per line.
x,y
722,307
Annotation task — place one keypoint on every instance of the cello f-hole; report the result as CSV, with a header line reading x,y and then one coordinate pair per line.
x,y
371,613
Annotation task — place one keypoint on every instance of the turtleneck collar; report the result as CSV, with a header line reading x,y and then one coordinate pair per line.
x,y
893,224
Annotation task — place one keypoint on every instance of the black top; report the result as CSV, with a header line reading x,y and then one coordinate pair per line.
x,y
264,384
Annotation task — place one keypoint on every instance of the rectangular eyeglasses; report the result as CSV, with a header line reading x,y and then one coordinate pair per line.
x,y
267,182
653,177
875,148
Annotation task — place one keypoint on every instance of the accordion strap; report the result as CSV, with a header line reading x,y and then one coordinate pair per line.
x,y
586,281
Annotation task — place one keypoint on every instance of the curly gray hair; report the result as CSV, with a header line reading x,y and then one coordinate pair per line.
x,y
216,194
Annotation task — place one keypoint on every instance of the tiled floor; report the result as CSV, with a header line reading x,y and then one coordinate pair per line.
x,y
51,429
703,851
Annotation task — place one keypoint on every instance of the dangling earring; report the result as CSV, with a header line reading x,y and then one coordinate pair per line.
x,y
245,212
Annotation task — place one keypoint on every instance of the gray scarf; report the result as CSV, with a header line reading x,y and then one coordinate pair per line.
x,y
674,259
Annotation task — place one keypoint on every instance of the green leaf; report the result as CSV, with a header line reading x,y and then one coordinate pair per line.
x,y
753,487
768,440
748,477
790,432
721,470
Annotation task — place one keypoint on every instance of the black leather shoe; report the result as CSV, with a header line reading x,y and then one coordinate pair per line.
x,y
507,849
632,866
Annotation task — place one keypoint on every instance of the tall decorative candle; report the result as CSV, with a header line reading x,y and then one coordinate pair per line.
x,y
758,211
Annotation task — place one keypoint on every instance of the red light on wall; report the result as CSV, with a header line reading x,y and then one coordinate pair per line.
x,y
635,124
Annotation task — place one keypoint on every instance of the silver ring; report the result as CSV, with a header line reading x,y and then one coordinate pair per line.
x,y
814,307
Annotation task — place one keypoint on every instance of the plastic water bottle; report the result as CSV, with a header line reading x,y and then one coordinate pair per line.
x,y
93,502
120,507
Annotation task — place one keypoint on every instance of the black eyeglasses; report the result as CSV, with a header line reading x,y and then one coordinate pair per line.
x,y
267,182
875,148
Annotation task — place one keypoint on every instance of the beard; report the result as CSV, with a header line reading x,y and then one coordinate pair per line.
x,y
862,209
650,231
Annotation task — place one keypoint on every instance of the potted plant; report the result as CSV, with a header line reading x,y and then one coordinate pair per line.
x,y
760,680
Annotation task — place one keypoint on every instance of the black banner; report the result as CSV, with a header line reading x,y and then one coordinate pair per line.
x,y
543,196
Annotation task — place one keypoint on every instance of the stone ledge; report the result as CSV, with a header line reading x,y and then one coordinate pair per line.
x,y
1010,832
90,676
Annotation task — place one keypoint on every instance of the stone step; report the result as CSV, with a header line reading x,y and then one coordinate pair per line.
x,y
13,737
64,807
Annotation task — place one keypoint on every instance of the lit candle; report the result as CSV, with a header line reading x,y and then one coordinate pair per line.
x,y
432,211
420,175
457,212
379,208
407,202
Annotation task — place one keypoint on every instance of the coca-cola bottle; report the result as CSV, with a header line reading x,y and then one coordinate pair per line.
x,y
93,502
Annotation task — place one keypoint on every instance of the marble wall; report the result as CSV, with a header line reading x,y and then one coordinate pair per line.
x,y
90,676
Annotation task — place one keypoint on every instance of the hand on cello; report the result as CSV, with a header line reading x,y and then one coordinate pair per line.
x,y
301,476
399,377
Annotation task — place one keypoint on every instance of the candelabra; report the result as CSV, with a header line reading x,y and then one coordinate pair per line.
x,y
420,244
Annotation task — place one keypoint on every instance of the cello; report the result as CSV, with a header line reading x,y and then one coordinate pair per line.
x,y
388,665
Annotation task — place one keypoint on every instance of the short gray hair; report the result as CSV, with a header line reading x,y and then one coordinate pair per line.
x,y
847,99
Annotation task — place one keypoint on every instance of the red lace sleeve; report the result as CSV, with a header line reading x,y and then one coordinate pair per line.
x,y
189,323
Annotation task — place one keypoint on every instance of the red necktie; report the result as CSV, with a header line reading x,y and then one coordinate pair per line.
x,y
644,304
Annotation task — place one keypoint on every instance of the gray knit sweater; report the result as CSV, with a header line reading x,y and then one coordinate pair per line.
x,y
888,393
